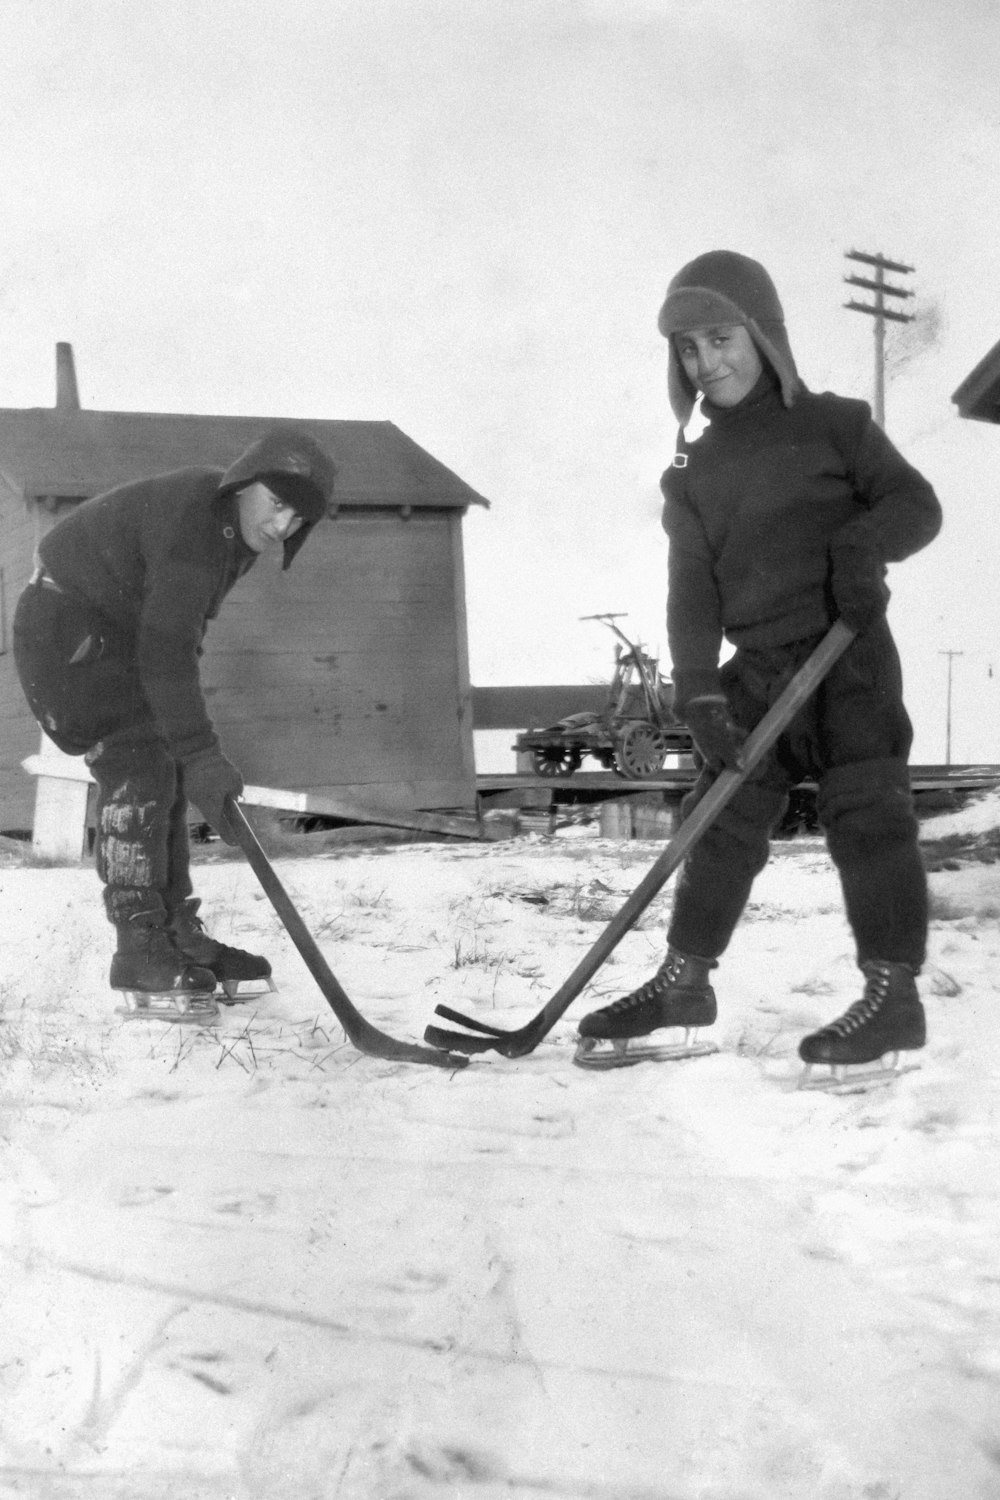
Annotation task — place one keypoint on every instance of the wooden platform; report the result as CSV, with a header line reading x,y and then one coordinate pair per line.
x,y
599,785
955,778
583,781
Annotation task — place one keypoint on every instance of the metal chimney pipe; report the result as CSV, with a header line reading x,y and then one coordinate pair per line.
x,y
67,394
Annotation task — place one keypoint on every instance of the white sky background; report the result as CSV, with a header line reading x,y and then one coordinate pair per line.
x,y
461,215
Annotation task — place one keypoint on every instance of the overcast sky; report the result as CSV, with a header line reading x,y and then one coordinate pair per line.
x,y
461,215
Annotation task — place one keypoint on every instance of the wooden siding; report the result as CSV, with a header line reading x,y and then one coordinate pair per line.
x,y
348,672
20,735
463,684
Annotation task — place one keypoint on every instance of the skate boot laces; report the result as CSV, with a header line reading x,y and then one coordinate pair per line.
x,y
654,989
878,979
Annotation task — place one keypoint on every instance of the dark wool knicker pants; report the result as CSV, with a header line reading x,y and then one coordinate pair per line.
x,y
81,683
853,738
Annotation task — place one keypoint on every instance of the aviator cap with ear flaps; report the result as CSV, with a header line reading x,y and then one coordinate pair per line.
x,y
724,287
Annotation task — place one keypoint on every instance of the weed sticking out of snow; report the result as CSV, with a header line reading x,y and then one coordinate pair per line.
x,y
471,953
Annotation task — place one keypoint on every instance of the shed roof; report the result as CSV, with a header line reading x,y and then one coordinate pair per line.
x,y
60,451
978,397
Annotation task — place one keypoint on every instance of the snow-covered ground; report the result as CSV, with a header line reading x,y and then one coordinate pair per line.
x,y
248,1262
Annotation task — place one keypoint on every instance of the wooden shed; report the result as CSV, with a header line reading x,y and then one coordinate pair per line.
x,y
978,397
348,674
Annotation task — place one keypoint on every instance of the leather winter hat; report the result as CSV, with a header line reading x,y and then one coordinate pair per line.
x,y
296,467
724,287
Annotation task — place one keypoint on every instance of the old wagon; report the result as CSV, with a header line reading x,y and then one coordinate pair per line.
x,y
632,734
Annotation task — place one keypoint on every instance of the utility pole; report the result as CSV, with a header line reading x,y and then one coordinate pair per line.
x,y
879,311
947,732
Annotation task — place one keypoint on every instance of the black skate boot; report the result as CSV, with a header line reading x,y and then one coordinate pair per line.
x,y
887,1020
155,978
677,995
231,967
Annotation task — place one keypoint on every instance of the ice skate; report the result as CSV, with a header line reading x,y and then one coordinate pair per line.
x,y
861,1048
677,996
232,967
156,980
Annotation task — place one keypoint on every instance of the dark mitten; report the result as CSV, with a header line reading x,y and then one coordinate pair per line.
x,y
857,581
718,739
209,778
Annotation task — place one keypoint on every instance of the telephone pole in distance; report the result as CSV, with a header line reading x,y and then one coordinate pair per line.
x,y
947,729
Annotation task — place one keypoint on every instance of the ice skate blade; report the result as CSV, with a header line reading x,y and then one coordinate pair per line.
x,y
230,993
601,1056
176,1006
856,1078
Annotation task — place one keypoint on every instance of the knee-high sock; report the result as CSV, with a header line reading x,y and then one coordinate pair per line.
x,y
866,810
716,878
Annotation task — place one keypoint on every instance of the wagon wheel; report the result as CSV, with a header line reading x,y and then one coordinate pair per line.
x,y
555,760
640,750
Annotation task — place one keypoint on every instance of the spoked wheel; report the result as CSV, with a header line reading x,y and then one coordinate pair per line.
x,y
555,760
640,751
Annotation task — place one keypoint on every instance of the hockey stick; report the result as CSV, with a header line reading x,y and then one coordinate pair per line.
x,y
361,1033
519,1043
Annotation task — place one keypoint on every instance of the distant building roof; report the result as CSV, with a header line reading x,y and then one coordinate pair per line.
x,y
978,397
68,451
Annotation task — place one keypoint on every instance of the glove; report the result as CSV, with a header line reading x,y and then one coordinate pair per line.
x,y
209,778
857,582
717,738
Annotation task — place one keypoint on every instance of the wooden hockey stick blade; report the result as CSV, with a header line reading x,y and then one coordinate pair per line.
x,y
361,1033
439,1037
455,1015
520,1042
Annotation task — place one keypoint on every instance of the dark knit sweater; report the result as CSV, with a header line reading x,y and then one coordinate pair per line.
x,y
752,506
154,560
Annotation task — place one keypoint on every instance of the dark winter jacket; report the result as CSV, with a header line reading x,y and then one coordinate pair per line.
x,y
752,507
154,560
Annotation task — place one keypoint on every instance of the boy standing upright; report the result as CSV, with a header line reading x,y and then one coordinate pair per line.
x,y
781,516
107,640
